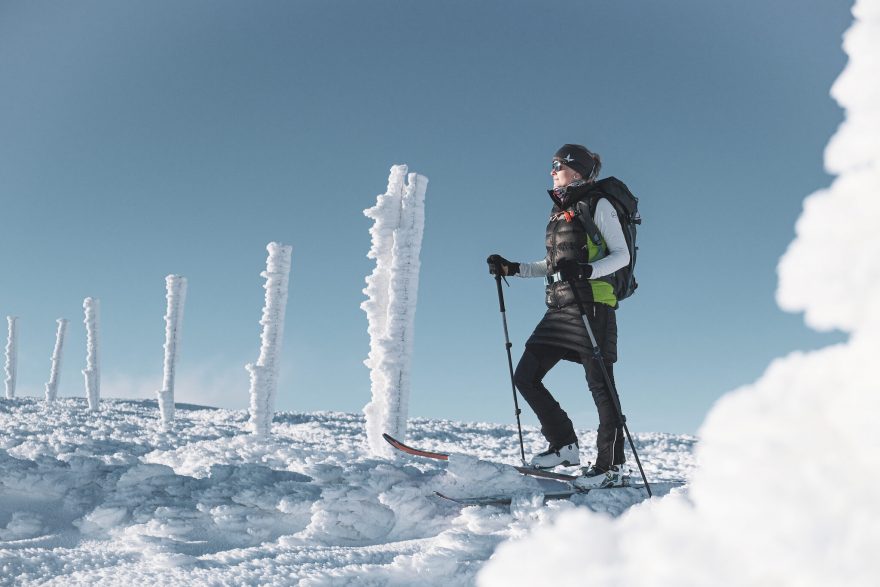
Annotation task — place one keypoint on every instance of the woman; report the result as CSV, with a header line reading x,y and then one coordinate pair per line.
x,y
574,258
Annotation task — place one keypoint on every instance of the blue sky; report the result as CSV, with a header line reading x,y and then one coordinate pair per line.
x,y
141,139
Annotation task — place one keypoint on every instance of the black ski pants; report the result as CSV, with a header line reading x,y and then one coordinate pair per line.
x,y
556,426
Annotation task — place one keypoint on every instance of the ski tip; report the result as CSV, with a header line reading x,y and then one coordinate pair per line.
x,y
414,451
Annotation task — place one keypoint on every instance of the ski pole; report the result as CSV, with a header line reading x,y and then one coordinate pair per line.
x,y
612,390
507,345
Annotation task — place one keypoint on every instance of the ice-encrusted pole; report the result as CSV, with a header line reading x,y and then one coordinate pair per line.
x,y
392,292
264,374
91,372
386,219
11,358
55,372
175,294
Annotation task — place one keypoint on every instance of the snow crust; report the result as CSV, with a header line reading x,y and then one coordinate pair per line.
x,y
264,373
118,498
175,288
786,488
392,292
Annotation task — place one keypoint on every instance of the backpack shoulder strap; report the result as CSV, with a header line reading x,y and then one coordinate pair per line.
x,y
586,210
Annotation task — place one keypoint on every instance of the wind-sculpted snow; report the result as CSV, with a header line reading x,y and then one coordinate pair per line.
x,y
118,498
786,491
838,286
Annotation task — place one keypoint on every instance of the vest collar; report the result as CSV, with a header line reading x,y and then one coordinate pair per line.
x,y
568,196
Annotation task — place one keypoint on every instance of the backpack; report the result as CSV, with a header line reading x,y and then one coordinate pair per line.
x,y
627,206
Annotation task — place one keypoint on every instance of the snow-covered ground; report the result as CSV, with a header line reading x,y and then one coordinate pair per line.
x,y
113,498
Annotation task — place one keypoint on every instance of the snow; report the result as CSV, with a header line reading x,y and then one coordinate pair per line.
x,y
844,295
116,497
55,372
786,491
392,292
264,374
175,288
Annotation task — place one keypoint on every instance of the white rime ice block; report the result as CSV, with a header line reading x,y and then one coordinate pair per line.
x,y
264,373
392,293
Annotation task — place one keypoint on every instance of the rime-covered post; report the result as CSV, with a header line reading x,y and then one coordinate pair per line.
x,y
11,358
404,292
175,288
264,374
91,372
386,219
392,291
55,372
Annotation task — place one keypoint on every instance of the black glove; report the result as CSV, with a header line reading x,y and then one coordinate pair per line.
x,y
570,270
507,267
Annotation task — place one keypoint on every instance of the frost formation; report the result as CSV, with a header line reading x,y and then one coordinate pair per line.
x,y
175,287
264,374
11,358
392,292
92,372
55,372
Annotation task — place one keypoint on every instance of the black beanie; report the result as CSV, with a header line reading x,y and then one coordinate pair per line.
x,y
579,158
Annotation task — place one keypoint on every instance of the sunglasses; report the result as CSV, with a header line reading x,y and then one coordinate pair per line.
x,y
557,165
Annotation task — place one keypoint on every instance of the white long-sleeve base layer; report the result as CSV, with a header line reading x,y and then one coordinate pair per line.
x,y
618,254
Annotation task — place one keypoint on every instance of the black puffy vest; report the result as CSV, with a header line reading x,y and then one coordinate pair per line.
x,y
567,239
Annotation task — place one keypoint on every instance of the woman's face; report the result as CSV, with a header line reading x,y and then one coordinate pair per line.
x,y
562,174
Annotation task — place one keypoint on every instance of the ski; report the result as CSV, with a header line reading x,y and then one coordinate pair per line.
x,y
502,499
440,456
667,484
548,496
